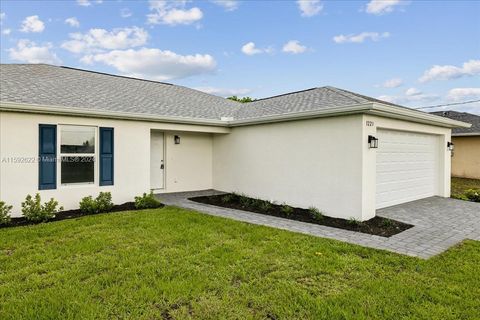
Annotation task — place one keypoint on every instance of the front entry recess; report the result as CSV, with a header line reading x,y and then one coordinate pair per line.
x,y
157,165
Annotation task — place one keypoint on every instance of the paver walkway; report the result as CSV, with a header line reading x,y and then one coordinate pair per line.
x,y
439,223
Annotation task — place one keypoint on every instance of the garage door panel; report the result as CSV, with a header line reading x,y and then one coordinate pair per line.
x,y
412,194
408,177
405,183
407,167
407,171
404,165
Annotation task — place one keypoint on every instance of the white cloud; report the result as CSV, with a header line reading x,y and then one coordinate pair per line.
x,y
101,39
177,16
461,94
32,24
361,37
379,7
5,31
309,8
413,92
72,22
392,83
155,64
416,99
387,98
447,72
28,51
84,3
228,5
87,3
224,92
250,49
172,13
412,97
294,47
125,13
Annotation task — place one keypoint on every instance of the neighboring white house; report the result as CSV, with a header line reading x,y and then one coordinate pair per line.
x,y
128,136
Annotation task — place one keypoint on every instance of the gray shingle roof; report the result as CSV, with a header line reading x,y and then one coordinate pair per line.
x,y
47,85
464,117
305,100
59,86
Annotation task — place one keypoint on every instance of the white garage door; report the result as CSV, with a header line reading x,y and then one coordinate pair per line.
x,y
407,167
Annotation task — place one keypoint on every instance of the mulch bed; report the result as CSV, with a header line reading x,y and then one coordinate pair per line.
x,y
377,226
72,214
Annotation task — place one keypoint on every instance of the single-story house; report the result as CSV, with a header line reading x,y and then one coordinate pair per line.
x,y
68,133
466,155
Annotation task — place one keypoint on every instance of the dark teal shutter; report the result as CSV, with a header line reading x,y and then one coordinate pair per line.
x,y
106,156
47,154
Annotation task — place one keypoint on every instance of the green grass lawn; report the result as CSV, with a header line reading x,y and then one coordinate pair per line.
x,y
460,185
174,264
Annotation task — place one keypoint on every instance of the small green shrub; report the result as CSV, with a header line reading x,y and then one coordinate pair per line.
x,y
244,201
257,203
228,198
354,222
286,209
5,213
34,211
265,206
103,203
147,201
88,205
387,223
473,195
315,213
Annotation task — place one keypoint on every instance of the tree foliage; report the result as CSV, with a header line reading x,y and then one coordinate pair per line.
x,y
241,100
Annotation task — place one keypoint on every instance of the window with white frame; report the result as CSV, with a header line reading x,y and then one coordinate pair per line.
x,y
77,153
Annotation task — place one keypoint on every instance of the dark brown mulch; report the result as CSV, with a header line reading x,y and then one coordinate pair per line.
x,y
377,226
72,214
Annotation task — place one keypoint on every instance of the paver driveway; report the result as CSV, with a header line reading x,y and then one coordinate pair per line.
x,y
439,223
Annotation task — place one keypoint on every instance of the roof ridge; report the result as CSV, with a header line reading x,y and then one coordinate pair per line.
x,y
110,74
371,99
347,94
285,94
89,71
28,64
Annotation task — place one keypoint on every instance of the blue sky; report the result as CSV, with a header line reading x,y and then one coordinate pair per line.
x,y
415,53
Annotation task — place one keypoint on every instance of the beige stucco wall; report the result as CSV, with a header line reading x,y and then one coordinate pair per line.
x,y
322,162
188,166
305,163
466,157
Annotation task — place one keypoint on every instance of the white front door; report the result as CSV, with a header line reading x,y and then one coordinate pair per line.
x,y
407,167
157,165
